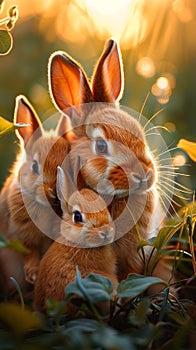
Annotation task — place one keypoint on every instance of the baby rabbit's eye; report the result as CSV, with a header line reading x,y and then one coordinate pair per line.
x,y
77,217
35,167
101,146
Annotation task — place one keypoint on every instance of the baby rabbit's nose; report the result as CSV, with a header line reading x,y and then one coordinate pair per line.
x,y
107,233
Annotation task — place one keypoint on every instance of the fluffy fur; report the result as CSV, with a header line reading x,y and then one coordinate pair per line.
x,y
28,201
58,266
125,175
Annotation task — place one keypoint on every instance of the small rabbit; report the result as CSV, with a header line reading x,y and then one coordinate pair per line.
x,y
86,229
116,160
28,201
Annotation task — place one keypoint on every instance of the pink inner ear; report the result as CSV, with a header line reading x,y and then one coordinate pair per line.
x,y
107,82
68,83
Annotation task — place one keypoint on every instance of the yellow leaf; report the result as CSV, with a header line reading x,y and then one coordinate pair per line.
x,y
19,320
189,147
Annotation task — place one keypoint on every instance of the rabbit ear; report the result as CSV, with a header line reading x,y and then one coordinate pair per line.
x,y
68,83
64,128
108,77
24,113
61,188
65,184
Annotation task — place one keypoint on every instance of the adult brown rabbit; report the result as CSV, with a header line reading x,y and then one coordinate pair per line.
x,y
28,201
86,229
116,160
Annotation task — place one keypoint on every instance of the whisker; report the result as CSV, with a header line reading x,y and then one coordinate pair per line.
x,y
153,117
183,188
168,150
166,185
165,207
143,105
170,199
156,128
174,173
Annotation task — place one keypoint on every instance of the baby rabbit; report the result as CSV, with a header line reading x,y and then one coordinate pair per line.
x,y
86,229
28,200
116,160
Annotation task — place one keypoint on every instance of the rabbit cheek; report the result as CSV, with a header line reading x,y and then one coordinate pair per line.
x,y
119,179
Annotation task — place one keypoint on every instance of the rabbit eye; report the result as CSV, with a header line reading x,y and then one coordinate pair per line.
x,y
77,217
35,167
101,146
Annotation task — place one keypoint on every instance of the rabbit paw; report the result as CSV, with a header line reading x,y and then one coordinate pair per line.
x,y
31,273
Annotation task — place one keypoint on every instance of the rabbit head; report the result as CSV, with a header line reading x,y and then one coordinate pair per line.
x,y
115,158
41,154
86,221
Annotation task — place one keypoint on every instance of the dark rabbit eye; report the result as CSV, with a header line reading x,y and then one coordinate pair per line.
x,y
101,146
77,217
35,167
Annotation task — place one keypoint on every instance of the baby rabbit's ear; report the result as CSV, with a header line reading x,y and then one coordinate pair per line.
x,y
68,83
108,77
61,188
24,113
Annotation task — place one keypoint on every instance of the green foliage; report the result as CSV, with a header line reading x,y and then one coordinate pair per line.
x,y
6,126
14,244
135,285
95,288
6,25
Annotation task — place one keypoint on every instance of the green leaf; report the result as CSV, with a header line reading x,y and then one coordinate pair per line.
x,y
14,244
1,5
6,42
19,320
3,241
6,126
135,284
94,287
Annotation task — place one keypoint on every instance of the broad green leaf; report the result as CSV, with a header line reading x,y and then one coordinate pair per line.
x,y
19,320
94,287
6,126
135,284
6,42
189,147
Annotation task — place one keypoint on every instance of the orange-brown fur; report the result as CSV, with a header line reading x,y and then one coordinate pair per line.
x,y
130,153
28,202
58,266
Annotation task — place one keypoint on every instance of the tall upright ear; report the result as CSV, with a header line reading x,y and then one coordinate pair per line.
x,y
61,186
108,77
68,83
24,113
64,128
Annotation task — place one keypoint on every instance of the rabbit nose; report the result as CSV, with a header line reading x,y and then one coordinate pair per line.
x,y
140,179
107,232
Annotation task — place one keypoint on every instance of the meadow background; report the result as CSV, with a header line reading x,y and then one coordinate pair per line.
x,y
158,44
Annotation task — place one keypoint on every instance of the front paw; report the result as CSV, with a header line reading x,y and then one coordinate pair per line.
x,y
31,273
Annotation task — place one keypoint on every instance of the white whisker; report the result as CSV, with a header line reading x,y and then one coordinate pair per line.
x,y
144,103
153,117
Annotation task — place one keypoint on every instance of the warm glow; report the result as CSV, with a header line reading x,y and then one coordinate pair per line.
x,y
162,83
170,126
145,67
162,89
182,10
179,160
